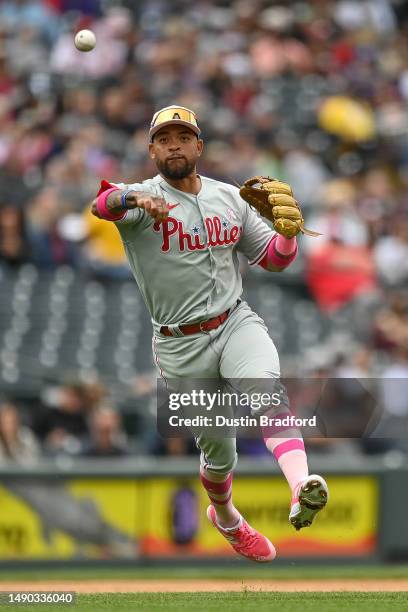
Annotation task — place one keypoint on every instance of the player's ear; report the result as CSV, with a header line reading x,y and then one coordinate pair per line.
x,y
200,146
151,150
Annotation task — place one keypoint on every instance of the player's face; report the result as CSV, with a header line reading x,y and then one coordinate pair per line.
x,y
175,149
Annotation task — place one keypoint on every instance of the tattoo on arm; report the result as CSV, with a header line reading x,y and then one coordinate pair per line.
x,y
113,202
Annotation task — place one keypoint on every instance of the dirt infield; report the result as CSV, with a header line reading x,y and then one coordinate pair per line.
x,y
209,586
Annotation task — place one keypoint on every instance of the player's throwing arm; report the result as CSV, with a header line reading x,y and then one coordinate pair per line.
x,y
119,200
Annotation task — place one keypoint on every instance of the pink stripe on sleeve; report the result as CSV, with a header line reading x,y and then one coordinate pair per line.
x,y
287,446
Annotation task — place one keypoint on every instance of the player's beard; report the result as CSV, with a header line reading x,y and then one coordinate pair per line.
x,y
175,171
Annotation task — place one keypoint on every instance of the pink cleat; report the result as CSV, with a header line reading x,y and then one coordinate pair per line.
x,y
311,496
245,540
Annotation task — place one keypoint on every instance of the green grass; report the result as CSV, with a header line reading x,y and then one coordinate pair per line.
x,y
203,602
239,571
247,600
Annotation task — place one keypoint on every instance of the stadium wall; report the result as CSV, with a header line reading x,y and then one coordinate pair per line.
x,y
148,511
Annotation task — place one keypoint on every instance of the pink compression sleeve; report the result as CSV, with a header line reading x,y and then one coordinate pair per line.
x,y
281,252
105,190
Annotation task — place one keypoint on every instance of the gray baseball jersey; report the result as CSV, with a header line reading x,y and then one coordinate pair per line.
x,y
187,267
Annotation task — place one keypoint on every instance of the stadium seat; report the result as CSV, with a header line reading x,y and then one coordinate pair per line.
x,y
61,321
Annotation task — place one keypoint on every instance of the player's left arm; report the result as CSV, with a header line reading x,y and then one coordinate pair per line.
x,y
281,252
274,201
258,242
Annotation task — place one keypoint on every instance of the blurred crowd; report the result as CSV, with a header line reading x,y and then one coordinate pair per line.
x,y
76,419
357,412
315,93
72,420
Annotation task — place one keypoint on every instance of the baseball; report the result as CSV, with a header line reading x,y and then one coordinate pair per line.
x,y
85,40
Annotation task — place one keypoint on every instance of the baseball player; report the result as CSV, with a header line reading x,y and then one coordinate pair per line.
x,y
182,233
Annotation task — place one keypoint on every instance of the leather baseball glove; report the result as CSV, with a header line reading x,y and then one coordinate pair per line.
x,y
274,200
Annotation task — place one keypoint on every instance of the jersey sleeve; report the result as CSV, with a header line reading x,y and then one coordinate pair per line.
x,y
256,235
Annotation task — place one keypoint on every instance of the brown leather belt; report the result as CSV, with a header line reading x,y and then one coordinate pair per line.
x,y
195,328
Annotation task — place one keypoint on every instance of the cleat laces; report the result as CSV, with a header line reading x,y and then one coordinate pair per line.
x,y
251,537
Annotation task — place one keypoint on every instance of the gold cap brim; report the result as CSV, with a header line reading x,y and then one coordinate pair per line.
x,y
174,115
191,127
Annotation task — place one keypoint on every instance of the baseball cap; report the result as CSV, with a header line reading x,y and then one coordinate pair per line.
x,y
174,115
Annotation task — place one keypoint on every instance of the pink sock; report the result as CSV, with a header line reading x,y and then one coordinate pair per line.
x,y
220,494
289,452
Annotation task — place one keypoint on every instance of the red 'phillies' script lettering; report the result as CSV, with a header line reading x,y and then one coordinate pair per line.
x,y
217,235
186,236
169,227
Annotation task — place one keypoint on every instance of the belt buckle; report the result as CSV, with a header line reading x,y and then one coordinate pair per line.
x,y
201,328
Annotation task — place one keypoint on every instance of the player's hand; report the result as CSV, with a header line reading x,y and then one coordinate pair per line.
x,y
155,206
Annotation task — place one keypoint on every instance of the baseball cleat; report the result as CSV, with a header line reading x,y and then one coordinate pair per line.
x,y
245,540
312,495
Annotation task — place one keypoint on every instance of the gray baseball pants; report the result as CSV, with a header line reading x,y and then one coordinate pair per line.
x,y
240,348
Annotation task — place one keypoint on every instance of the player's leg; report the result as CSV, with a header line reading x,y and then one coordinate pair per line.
x,y
216,476
256,370
217,462
192,358
250,370
196,359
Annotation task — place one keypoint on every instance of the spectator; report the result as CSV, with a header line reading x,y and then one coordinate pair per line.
x,y
337,274
394,387
306,173
104,252
18,14
48,245
14,248
63,423
17,442
94,393
390,326
391,254
337,220
111,33
391,429
106,436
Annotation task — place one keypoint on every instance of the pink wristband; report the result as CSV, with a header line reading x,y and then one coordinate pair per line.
x,y
281,252
104,213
